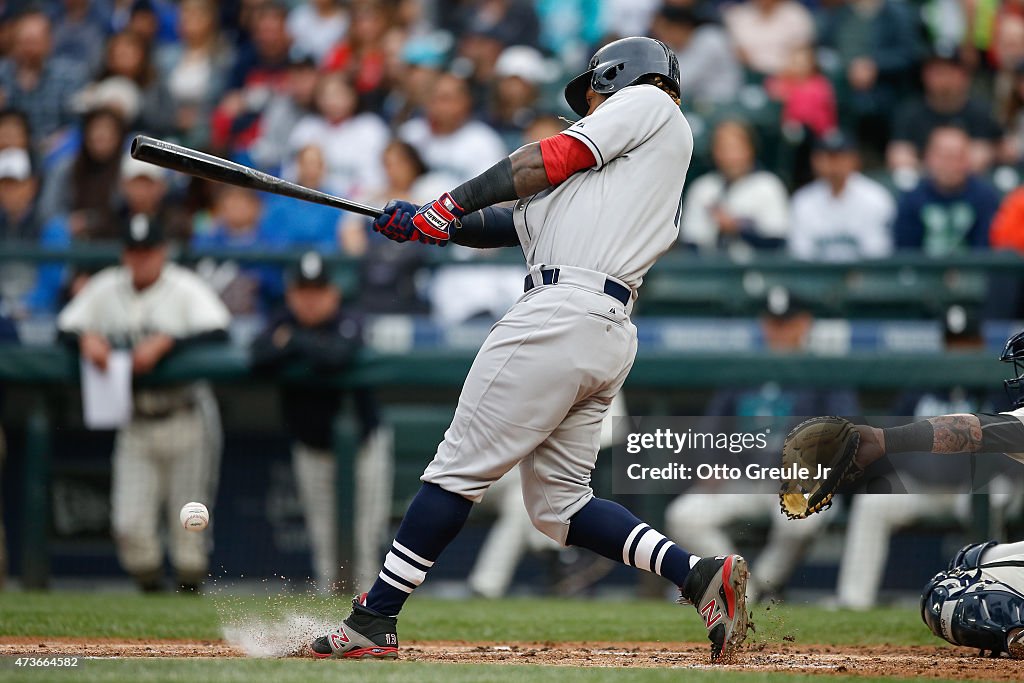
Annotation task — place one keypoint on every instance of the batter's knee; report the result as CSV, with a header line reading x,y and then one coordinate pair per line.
x,y
551,508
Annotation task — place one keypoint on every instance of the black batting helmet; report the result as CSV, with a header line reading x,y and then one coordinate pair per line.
x,y
619,64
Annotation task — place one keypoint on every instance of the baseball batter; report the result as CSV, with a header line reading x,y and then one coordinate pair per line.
x,y
167,455
597,205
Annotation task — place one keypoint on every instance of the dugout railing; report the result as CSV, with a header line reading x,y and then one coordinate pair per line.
x,y
906,285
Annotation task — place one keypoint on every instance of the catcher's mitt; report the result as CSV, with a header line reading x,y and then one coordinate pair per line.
x,y
821,441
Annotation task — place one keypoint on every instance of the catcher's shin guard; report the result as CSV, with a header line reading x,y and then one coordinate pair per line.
x,y
969,607
365,634
717,587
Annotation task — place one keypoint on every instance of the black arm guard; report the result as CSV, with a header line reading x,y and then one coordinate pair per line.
x,y
493,186
486,229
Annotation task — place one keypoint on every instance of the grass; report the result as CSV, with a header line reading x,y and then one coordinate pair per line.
x,y
299,671
172,616
134,616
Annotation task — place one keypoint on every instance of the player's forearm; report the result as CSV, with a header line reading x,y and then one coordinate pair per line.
x,y
528,172
956,434
520,175
959,433
493,186
488,228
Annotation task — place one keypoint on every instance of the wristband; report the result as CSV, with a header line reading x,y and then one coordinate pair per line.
x,y
916,437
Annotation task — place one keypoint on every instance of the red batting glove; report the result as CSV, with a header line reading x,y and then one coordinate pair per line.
x,y
434,221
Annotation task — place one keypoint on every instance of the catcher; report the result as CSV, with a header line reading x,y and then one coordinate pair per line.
x,y
978,601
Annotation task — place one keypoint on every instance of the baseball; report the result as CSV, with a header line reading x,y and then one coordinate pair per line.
x,y
194,516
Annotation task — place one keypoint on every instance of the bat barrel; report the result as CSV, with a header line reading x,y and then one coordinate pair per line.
x,y
196,163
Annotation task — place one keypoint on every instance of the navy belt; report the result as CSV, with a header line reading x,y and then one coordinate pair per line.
x,y
612,288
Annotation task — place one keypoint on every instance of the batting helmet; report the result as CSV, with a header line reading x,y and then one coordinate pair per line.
x,y
620,64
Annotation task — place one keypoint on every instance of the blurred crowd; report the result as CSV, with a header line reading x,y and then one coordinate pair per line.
x,y
832,130
828,130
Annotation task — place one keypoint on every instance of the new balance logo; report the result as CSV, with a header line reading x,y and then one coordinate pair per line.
x,y
339,641
711,613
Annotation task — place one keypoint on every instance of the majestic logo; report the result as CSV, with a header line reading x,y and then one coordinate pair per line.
x,y
711,613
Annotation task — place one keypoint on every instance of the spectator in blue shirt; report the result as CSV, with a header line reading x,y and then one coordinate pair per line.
x,y
244,289
951,209
290,222
79,32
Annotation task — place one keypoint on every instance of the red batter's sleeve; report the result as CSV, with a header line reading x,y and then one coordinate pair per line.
x,y
563,155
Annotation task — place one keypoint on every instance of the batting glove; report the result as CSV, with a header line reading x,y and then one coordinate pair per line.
x,y
396,221
434,221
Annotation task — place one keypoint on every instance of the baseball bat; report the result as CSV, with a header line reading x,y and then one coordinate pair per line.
x,y
194,162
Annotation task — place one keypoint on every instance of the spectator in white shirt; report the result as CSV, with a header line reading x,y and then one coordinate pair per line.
x,y
352,142
736,206
843,215
767,31
448,138
316,26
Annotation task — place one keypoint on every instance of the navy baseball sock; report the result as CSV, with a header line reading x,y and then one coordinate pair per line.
x,y
611,530
434,518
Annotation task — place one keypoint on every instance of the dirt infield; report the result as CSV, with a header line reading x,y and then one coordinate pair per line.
x,y
908,662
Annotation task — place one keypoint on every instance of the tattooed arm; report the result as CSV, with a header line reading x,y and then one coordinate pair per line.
x,y
959,433
529,170
528,174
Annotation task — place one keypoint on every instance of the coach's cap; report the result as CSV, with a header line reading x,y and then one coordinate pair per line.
x,y
133,168
141,231
835,141
15,164
310,271
779,302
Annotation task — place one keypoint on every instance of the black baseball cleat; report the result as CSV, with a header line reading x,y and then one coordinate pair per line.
x,y
717,587
366,634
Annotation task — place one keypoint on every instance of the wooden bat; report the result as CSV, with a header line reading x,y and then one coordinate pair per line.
x,y
194,162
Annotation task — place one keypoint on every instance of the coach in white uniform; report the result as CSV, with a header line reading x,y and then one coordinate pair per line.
x,y
598,204
168,454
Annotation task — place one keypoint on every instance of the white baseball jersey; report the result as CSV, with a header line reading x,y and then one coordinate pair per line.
x,y
158,464
179,304
619,216
1019,414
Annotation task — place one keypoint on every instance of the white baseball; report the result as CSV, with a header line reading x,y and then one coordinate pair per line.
x,y
194,516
